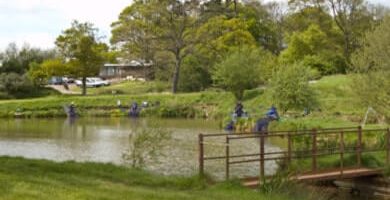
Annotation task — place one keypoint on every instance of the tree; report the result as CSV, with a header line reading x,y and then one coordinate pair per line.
x,y
81,50
373,67
290,88
217,37
316,49
166,24
39,73
353,19
18,60
241,70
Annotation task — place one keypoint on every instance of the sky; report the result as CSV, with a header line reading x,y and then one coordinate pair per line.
x,y
39,22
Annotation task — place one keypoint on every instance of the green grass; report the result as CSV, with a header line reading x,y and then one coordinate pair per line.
x,y
40,179
338,106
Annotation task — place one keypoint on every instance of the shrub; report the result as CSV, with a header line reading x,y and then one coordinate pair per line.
x,y
290,88
241,70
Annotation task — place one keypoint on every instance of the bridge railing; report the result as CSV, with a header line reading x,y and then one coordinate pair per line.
x,y
300,145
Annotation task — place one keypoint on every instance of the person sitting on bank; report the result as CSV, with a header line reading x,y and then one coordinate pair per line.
x,y
272,113
72,110
239,109
134,110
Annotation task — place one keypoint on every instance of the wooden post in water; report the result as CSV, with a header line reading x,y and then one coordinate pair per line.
x,y
359,147
341,153
262,170
314,150
201,156
227,170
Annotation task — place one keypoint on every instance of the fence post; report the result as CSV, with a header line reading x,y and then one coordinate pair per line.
x,y
262,171
227,170
388,147
314,150
289,148
359,147
341,152
201,155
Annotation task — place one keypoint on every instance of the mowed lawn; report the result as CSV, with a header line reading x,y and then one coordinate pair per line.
x,y
39,179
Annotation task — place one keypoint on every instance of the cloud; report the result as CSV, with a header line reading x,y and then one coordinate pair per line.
x,y
39,22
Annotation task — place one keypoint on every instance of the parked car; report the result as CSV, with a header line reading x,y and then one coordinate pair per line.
x,y
93,82
55,80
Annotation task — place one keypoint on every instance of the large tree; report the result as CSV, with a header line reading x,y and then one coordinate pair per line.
x,y
352,17
373,66
147,28
81,50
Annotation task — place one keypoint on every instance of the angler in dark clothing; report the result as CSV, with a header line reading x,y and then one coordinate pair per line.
x,y
71,110
273,113
239,109
134,111
230,126
262,124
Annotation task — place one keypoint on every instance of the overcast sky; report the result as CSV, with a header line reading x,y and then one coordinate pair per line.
x,y
39,22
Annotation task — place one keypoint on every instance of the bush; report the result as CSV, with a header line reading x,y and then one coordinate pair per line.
x,y
241,70
290,88
193,76
16,86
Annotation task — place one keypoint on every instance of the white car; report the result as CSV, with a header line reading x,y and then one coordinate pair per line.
x,y
93,82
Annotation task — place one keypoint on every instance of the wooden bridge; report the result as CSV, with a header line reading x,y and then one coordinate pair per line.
x,y
351,150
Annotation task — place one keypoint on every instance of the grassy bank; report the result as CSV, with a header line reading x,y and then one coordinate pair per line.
x,y
40,179
337,104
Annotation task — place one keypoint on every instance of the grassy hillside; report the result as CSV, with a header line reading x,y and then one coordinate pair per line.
x,y
337,104
40,179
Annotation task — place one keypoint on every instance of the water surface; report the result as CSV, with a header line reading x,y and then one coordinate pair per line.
x,y
107,139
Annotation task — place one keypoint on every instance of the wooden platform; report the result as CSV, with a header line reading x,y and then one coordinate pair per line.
x,y
324,175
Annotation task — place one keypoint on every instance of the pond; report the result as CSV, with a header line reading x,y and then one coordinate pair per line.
x,y
107,139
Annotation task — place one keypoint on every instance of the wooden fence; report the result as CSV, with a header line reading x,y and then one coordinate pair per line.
x,y
377,140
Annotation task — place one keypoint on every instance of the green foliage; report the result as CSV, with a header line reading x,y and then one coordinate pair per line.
x,y
241,70
18,60
37,75
81,51
146,144
194,76
15,85
316,50
373,66
155,27
290,88
220,35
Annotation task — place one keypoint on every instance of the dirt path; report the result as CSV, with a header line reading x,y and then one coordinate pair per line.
x,y
62,90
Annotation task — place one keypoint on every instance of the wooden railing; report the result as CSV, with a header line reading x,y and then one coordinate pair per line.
x,y
313,150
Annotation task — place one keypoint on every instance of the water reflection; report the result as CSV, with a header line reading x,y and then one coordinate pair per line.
x,y
105,140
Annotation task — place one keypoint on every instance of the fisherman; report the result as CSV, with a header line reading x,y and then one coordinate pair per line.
x,y
273,113
72,110
65,84
262,124
134,110
239,109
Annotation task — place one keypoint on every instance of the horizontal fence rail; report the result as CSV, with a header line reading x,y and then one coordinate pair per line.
x,y
317,143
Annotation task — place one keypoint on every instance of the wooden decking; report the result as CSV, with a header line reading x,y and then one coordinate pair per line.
x,y
324,175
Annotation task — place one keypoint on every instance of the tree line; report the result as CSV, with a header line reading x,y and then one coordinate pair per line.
x,y
231,44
